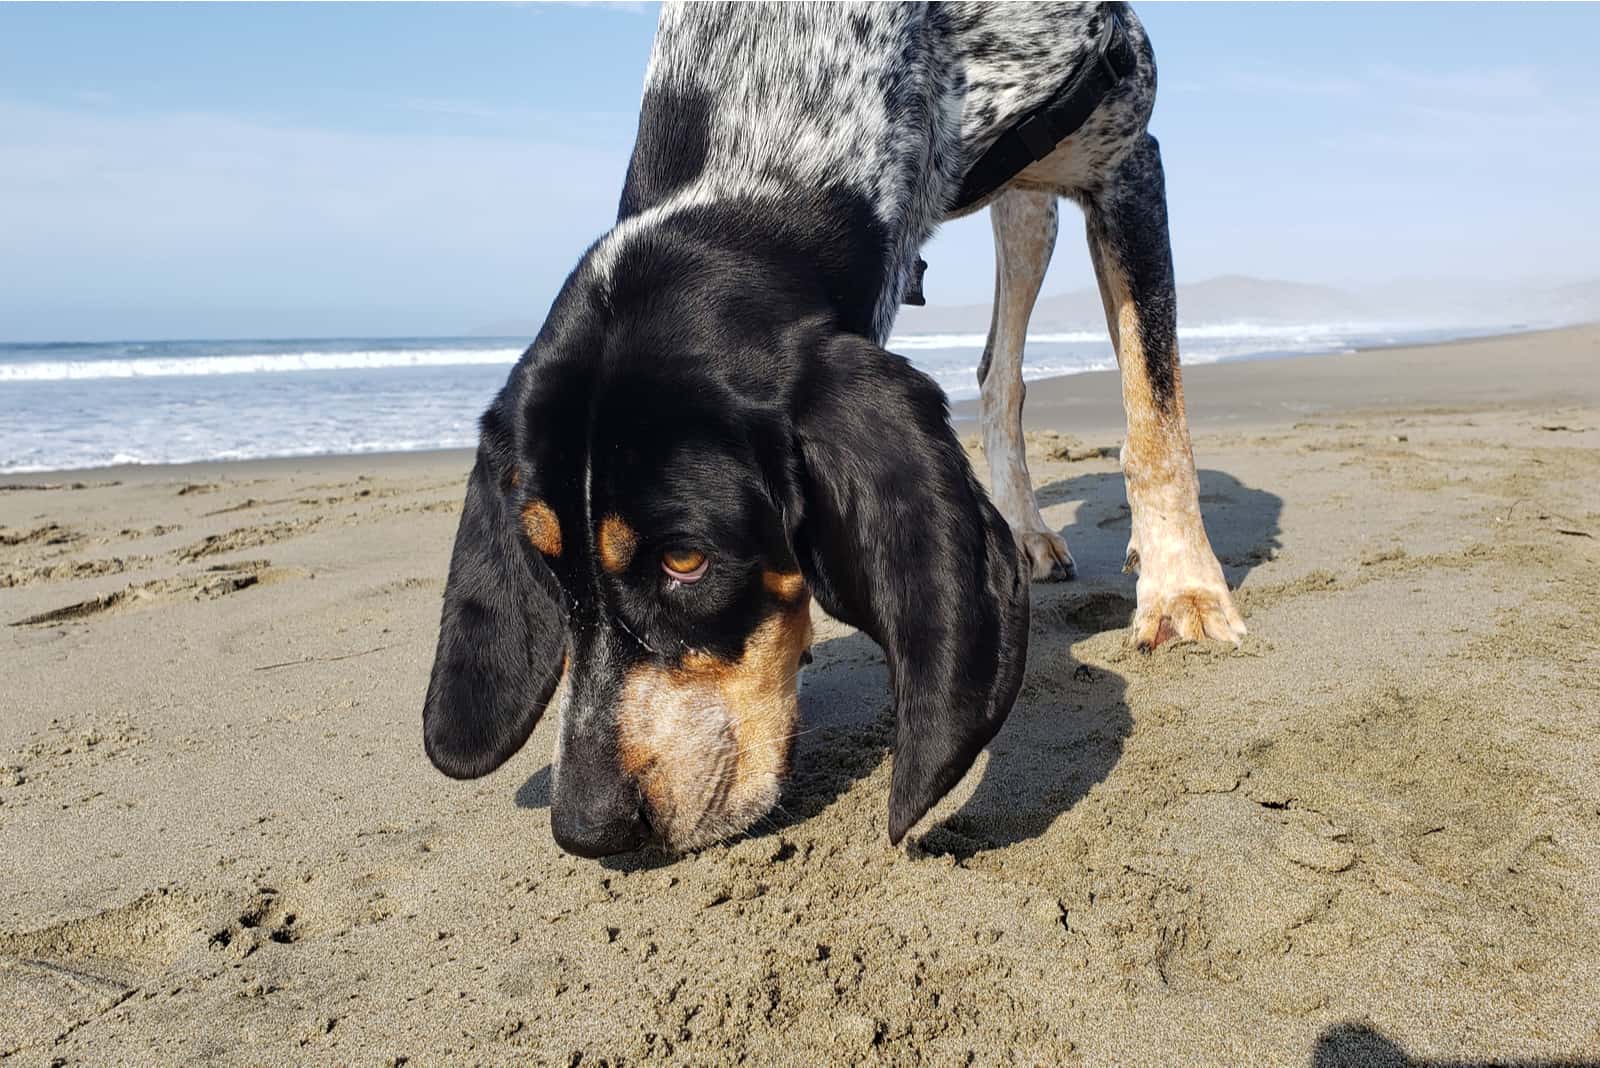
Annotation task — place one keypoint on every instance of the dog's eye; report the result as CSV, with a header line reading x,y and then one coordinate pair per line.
x,y
685,565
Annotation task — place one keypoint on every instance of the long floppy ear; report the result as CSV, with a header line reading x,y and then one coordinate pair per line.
x,y
898,538
502,631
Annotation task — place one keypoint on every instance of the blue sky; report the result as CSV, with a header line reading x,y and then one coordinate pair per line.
x,y
300,170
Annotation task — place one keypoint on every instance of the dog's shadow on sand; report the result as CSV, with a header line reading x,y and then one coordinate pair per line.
x,y
1242,522
1071,720
535,793
1359,1045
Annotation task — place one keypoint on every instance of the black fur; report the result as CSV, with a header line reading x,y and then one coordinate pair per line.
x,y
901,541
1129,218
502,630
670,151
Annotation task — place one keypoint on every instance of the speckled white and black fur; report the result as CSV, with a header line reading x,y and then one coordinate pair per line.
x,y
892,102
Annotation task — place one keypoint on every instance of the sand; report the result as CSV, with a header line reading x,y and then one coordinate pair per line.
x,y
1370,834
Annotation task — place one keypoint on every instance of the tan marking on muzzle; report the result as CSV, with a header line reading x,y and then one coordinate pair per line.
x,y
543,529
709,742
785,586
617,542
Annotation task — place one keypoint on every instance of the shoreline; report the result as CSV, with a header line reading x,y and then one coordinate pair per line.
x,y
1254,391
1082,397
260,466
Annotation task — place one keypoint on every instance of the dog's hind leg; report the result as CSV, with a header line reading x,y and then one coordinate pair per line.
x,y
1024,236
1181,591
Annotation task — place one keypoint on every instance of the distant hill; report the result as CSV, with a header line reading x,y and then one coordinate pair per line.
x,y
1474,301
1229,298
1240,298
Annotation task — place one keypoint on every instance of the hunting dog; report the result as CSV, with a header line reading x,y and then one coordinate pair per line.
x,y
706,433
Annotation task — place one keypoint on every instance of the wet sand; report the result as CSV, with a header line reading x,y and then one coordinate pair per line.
x,y
1369,835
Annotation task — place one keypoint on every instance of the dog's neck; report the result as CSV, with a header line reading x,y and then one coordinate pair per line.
x,y
828,137
799,255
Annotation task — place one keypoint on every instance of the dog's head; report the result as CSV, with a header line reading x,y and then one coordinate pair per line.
x,y
675,468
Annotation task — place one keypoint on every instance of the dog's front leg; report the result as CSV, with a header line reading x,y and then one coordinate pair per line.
x,y
1024,236
1181,591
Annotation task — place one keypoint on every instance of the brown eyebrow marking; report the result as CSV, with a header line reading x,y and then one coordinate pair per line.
x,y
617,542
542,527
785,586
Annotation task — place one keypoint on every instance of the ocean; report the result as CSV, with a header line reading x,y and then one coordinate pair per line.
x,y
70,405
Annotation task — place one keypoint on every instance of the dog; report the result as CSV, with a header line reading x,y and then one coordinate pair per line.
x,y
707,434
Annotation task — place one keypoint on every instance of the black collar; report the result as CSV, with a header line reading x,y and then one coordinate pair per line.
x,y
1036,136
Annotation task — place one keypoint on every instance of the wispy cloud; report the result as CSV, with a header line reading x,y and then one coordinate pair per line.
x,y
146,207
1504,83
1272,82
632,7
472,109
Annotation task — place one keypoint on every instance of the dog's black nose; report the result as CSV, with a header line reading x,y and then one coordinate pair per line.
x,y
582,835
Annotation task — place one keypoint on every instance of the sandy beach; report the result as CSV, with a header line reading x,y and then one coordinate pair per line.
x,y
1369,836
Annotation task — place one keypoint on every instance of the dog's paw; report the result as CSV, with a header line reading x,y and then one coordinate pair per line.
x,y
1047,556
1189,615
1193,604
